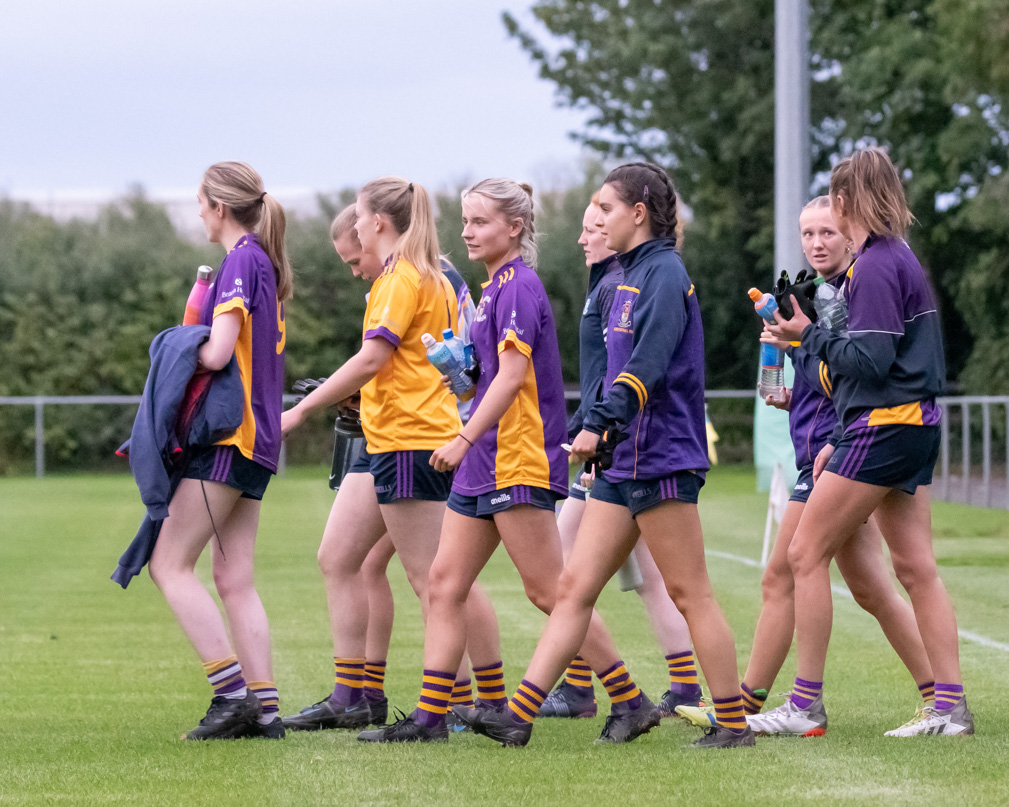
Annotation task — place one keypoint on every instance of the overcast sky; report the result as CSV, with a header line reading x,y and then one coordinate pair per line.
x,y
315,94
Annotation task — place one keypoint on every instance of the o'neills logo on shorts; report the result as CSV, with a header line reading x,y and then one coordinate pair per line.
x,y
642,492
383,488
502,499
803,486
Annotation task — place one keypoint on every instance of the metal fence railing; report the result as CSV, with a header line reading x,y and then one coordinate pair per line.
x,y
973,466
733,417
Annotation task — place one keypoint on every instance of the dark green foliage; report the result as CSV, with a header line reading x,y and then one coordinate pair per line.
x,y
691,85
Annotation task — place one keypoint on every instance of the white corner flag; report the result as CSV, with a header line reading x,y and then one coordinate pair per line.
x,y
776,503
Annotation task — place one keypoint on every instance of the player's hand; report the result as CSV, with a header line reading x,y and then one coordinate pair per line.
x,y
821,461
448,457
588,479
782,401
291,420
585,446
767,338
788,330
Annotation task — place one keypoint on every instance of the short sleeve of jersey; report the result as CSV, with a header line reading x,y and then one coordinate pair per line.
x,y
392,306
235,287
875,301
517,316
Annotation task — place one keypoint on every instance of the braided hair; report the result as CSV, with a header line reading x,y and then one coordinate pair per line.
x,y
650,185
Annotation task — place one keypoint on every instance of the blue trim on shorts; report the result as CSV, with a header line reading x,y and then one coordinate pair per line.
x,y
227,465
890,456
408,475
639,495
486,505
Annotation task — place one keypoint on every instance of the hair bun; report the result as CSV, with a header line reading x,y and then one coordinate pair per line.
x,y
527,188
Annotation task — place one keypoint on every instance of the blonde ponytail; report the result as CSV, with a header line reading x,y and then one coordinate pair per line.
x,y
238,187
408,207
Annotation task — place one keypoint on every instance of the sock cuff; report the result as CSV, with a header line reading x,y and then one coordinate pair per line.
x,y
611,672
212,667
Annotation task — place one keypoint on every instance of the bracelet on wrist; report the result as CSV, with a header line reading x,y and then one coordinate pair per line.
x,y
464,437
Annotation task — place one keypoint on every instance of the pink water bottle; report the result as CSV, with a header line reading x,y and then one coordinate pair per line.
x,y
198,296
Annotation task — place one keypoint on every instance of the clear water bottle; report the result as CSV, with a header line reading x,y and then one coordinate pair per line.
x,y
831,307
198,296
445,360
772,359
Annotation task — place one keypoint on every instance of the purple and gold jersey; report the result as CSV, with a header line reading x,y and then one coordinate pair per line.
x,y
890,366
524,447
405,407
811,415
247,284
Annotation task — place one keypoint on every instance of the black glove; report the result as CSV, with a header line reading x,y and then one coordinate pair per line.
x,y
803,288
303,386
603,459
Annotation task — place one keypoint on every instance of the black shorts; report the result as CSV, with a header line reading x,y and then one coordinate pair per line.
x,y
407,475
497,501
639,495
227,465
891,456
803,485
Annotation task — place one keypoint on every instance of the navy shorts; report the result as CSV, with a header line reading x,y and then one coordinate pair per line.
x,y
408,475
362,465
497,501
227,465
803,485
578,491
639,495
891,456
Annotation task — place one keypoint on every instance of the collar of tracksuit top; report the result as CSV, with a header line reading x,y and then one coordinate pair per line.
x,y
153,448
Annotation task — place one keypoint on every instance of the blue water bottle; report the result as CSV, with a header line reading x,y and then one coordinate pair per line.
x,y
772,359
441,355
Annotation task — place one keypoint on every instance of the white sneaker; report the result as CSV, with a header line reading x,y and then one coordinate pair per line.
x,y
789,720
957,721
921,713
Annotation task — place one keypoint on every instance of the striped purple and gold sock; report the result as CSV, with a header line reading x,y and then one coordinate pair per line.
x,y
578,674
729,713
946,695
927,691
225,676
490,687
435,694
624,693
462,692
349,683
266,691
683,674
374,680
753,700
805,692
526,702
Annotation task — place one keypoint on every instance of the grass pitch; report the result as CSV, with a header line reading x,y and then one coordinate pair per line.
x,y
99,683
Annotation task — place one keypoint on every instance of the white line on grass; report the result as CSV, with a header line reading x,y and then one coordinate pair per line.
x,y
969,635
